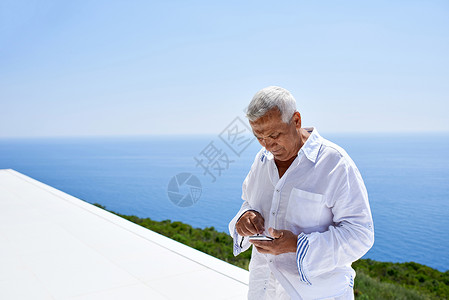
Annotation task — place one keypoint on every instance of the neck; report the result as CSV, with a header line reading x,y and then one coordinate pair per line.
x,y
284,164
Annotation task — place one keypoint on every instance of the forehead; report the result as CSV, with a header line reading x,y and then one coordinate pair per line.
x,y
268,123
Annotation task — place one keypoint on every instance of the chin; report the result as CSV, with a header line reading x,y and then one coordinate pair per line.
x,y
280,157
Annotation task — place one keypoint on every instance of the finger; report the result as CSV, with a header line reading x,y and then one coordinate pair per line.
x,y
258,223
275,233
256,226
246,227
262,250
243,231
245,224
251,227
262,244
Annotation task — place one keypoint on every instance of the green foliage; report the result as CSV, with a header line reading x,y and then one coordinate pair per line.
x,y
431,283
375,280
369,288
100,206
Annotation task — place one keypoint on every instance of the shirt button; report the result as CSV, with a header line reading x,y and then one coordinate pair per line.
x,y
271,260
273,213
277,191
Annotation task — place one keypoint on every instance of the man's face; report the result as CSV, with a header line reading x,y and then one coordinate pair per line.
x,y
281,139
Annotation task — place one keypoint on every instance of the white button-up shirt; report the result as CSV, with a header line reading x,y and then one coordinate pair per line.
x,y
321,198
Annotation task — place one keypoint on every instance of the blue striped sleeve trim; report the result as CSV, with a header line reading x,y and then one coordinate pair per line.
x,y
237,248
301,251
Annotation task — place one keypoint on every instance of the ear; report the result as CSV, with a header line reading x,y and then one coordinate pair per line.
x,y
297,120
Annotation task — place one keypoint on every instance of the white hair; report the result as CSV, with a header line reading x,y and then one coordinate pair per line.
x,y
268,98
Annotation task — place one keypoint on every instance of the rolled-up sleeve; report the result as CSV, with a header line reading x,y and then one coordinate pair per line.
x,y
240,243
301,252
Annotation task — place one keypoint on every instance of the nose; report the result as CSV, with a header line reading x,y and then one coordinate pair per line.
x,y
268,143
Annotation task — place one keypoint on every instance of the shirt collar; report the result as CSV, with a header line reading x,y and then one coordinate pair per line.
x,y
310,149
312,146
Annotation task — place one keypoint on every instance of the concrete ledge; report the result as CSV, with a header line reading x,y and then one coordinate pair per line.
x,y
56,246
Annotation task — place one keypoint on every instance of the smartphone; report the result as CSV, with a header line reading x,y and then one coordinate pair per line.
x,y
260,237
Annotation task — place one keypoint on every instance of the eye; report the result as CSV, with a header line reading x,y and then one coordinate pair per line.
x,y
275,136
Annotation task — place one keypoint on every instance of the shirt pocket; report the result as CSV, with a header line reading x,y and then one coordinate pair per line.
x,y
304,209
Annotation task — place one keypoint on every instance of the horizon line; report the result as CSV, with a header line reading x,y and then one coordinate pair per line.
x,y
210,134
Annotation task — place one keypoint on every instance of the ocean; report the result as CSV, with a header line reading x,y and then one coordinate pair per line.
x,y
407,177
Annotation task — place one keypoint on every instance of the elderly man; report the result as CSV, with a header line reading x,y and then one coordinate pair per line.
x,y
307,194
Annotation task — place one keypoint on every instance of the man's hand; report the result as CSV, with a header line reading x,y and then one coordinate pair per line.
x,y
250,223
284,241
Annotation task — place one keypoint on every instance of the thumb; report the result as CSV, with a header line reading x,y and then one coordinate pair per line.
x,y
275,233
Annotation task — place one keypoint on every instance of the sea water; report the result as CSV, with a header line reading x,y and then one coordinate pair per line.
x,y
407,177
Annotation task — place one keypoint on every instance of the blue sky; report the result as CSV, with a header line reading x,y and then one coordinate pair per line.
x,y
86,68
